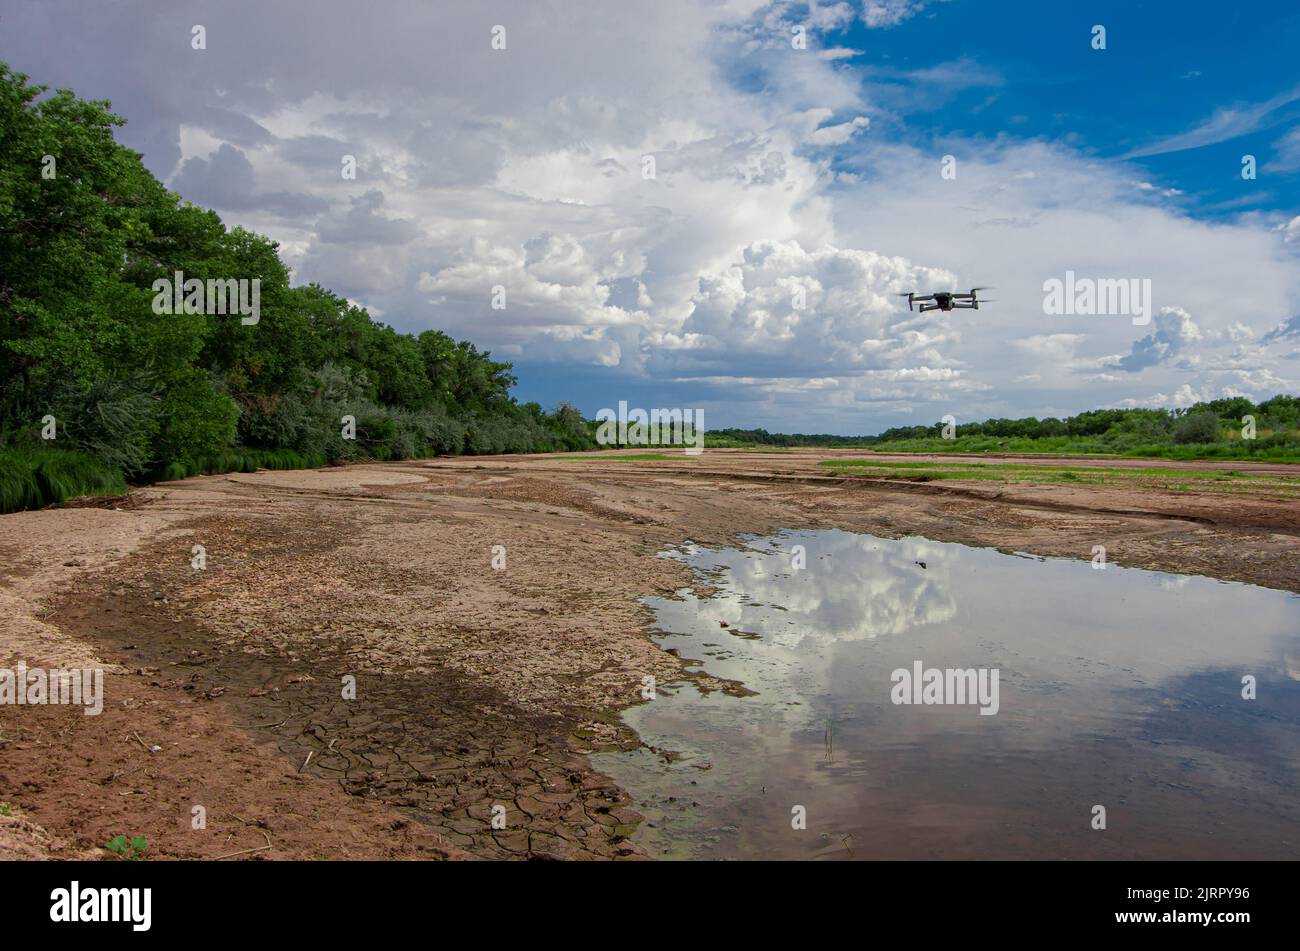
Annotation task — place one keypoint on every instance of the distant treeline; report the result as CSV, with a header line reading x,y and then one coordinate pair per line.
x,y
721,438
1201,423
97,387
1225,428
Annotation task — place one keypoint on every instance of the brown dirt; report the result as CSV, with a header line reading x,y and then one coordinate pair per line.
x,y
475,687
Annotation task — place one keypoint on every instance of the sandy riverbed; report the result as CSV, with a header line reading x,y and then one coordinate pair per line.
x,y
475,687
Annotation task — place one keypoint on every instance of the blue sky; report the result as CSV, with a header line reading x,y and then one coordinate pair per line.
x,y
797,191
1167,69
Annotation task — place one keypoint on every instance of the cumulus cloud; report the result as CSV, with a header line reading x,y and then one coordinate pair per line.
x,y
829,308
1185,395
556,296
1253,384
1012,195
776,172
1174,332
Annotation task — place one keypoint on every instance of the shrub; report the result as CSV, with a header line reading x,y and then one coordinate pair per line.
x,y
196,420
1198,427
115,420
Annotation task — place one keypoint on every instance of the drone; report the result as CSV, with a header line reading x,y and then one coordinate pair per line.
x,y
946,300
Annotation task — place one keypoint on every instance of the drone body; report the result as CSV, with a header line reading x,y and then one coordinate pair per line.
x,y
946,300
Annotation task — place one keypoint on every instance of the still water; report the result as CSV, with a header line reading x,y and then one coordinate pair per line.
x,y
1115,688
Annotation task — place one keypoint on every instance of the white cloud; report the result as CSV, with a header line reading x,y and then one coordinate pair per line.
x,y
1225,123
524,168
1287,157
887,13
1059,348
1018,214
839,134
826,308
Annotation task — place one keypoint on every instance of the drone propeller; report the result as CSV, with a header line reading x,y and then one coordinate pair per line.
x,y
911,298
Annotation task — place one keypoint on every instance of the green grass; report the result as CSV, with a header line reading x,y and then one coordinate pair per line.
x,y
1131,471
1274,448
242,460
32,478
1231,481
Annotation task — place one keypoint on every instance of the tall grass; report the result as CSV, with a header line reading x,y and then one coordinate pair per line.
x,y
242,460
31,478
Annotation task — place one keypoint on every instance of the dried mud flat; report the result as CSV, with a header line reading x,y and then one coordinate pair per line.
x,y
475,687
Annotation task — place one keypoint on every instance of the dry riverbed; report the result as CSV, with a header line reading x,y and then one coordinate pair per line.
x,y
477,690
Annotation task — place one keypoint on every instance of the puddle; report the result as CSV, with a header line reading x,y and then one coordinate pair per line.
x,y
1118,688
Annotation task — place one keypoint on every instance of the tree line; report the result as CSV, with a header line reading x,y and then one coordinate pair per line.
x,y
1233,427
1271,423
97,387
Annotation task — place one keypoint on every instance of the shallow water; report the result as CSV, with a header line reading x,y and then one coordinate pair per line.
x,y
1117,688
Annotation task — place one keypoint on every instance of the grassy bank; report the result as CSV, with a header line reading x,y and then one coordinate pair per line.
x,y
34,478
31,478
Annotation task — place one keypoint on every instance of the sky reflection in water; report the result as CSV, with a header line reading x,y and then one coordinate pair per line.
x,y
1118,687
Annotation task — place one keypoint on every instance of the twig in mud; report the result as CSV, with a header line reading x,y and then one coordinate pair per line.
x,y
147,747
267,726
260,848
306,761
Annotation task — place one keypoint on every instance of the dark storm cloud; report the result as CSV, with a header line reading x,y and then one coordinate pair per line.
x,y
362,224
462,155
315,151
225,181
233,127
